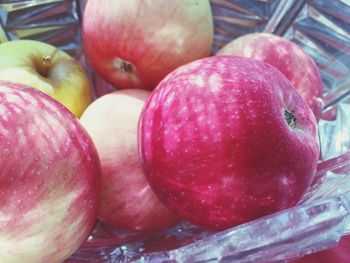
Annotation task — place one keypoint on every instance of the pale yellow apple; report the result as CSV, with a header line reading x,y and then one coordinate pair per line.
x,y
48,69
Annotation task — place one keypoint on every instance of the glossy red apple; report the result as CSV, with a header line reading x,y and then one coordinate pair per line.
x,y
226,139
135,43
288,58
49,181
127,200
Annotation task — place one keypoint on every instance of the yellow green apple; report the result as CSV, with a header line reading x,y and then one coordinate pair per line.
x,y
48,69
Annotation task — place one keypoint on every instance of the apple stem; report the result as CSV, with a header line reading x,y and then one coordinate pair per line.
x,y
126,66
123,65
46,59
289,116
44,66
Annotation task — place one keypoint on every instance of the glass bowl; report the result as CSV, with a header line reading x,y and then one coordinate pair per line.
x,y
322,29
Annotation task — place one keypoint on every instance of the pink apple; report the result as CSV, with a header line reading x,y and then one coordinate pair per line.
x,y
50,178
127,200
288,58
226,139
135,43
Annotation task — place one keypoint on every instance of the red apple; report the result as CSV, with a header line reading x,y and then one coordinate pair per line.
x,y
49,181
135,43
226,139
288,58
127,200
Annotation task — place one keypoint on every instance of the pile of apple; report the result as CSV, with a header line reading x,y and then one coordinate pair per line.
x,y
217,140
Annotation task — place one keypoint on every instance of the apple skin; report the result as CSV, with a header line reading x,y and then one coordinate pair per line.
x,y
216,145
288,58
60,77
135,43
49,181
127,200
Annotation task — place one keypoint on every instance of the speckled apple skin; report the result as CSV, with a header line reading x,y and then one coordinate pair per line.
x,y
49,180
288,58
215,144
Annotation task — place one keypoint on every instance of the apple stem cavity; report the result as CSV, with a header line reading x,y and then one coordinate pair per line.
x,y
44,65
289,116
